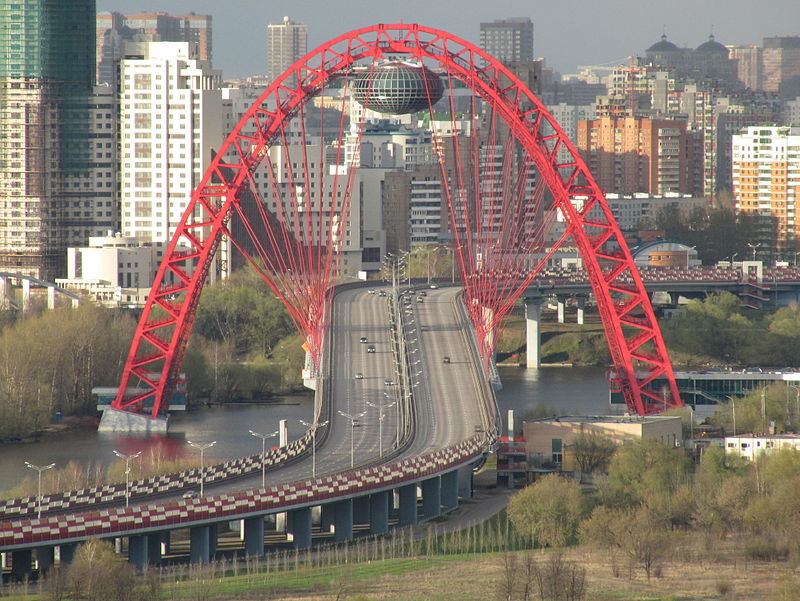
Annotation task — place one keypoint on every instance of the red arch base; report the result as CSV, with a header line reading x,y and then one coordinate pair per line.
x,y
634,339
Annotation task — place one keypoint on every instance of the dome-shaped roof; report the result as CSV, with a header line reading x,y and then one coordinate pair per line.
x,y
712,46
663,46
398,88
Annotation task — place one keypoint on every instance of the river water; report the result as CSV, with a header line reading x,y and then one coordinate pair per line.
x,y
563,390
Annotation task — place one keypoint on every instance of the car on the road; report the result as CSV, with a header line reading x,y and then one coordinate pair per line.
x,y
382,293
191,494
356,423
371,348
434,286
445,359
420,299
359,376
388,382
363,340
423,293
370,291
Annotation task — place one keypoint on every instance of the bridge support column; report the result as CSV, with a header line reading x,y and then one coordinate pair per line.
x,y
254,536
533,320
431,497
21,564
138,548
154,549
66,553
51,297
4,300
450,489
465,482
379,513
343,514
361,509
327,521
581,300
561,305
200,544
408,505
26,295
300,523
45,557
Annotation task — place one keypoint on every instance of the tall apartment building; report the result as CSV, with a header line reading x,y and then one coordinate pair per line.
x,y
171,119
638,154
113,30
286,43
781,64
508,40
750,67
765,170
46,77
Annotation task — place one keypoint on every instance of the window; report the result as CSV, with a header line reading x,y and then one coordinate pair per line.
x,y
557,446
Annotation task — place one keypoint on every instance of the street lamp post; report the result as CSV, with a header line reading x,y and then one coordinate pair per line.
x,y
202,447
313,427
381,415
39,469
754,247
127,460
352,419
263,438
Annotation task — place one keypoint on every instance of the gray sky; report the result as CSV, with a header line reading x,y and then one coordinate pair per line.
x,y
567,33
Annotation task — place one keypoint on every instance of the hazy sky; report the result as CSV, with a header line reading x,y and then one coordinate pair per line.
x,y
567,33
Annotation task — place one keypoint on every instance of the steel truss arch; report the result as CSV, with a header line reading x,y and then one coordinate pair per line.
x,y
635,342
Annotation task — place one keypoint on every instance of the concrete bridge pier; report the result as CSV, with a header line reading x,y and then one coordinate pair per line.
x,y
21,564
561,306
361,509
66,553
533,320
431,497
4,287
200,550
300,525
45,557
465,482
51,297
138,551
327,518
26,295
254,536
343,516
449,494
581,301
407,505
379,512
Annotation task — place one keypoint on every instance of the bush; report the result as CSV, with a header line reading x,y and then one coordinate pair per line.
x,y
765,549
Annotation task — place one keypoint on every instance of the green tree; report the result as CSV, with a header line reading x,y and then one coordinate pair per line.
x,y
592,451
548,511
98,574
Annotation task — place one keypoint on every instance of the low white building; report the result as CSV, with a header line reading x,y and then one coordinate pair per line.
x,y
751,446
116,271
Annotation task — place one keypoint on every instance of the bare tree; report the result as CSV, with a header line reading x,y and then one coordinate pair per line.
x,y
592,451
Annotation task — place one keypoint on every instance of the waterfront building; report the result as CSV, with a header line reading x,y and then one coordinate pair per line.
x,y
753,446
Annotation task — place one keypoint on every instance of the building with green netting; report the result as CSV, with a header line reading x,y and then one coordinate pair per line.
x,y
47,67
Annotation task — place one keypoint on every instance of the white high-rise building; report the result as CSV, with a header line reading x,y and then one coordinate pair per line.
x,y
171,119
286,43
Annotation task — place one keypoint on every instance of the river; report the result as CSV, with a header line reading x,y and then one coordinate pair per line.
x,y
564,390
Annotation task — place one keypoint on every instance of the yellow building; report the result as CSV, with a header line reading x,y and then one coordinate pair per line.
x,y
548,440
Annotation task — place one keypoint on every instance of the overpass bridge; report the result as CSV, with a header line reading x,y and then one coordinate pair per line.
x,y
756,285
422,424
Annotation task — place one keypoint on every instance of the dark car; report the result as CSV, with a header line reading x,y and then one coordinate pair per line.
x,y
388,382
371,348
445,359
363,340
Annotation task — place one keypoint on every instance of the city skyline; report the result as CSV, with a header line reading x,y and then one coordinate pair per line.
x,y
599,36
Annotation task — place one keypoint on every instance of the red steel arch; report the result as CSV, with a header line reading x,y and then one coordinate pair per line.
x,y
635,342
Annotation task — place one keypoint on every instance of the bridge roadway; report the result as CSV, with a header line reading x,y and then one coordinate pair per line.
x,y
450,399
